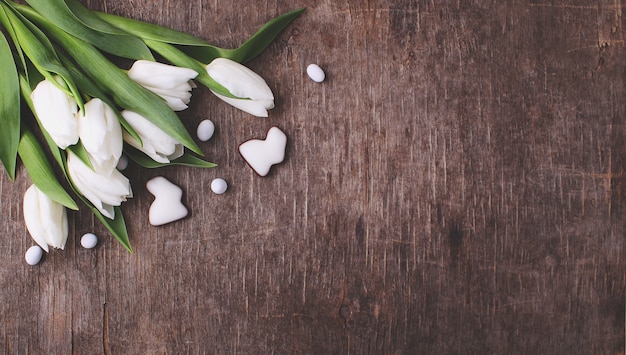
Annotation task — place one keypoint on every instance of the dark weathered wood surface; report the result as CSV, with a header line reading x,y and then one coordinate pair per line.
x,y
456,185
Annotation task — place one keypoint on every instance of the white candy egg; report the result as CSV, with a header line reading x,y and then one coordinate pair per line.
x,y
219,186
89,240
122,163
315,73
33,255
205,130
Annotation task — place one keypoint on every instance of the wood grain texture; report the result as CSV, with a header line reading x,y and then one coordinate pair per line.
x,y
456,185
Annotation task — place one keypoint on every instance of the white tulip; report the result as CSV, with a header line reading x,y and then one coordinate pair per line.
x,y
56,112
105,189
170,82
101,134
46,220
255,96
157,144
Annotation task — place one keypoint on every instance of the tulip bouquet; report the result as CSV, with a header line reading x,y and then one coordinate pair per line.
x,y
87,111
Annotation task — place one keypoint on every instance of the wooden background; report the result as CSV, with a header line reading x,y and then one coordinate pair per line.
x,y
456,185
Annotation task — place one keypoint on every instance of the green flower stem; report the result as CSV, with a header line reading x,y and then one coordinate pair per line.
x,y
145,30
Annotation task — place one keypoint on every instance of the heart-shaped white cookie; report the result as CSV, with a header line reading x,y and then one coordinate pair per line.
x,y
262,154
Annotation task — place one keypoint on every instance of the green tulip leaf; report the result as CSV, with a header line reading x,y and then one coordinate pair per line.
x,y
79,21
40,170
9,109
116,226
79,150
253,46
7,24
39,50
145,161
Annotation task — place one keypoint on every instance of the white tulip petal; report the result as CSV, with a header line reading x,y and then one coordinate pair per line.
x,y
165,81
101,134
183,96
107,210
57,113
256,96
239,79
46,220
104,189
252,107
146,147
157,74
178,152
157,144
54,220
144,127
110,189
175,103
32,218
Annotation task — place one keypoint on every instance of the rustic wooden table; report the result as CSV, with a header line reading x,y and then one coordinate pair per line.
x,y
456,185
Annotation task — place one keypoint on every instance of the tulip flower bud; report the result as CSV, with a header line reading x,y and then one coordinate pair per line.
x,y
56,112
104,189
170,82
46,220
255,96
101,134
154,142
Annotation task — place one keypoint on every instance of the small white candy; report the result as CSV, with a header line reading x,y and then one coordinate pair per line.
x,y
88,240
219,186
205,130
315,73
33,255
167,206
262,154
122,163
